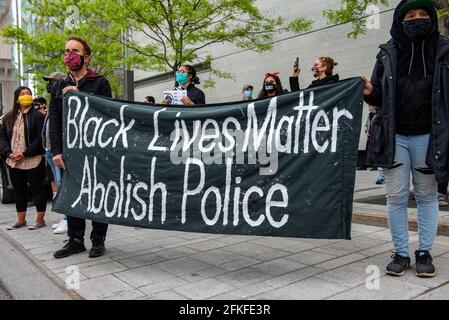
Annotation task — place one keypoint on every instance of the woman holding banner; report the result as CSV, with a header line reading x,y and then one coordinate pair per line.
x,y
21,144
186,79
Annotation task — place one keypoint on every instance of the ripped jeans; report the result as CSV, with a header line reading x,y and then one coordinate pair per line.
x,y
411,152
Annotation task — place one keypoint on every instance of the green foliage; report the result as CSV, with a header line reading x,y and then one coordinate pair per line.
x,y
43,47
166,33
353,11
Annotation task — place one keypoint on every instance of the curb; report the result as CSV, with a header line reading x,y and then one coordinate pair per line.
x,y
25,278
380,220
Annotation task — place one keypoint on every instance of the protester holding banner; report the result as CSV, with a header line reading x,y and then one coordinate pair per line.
x,y
410,84
322,70
186,79
80,78
20,141
272,86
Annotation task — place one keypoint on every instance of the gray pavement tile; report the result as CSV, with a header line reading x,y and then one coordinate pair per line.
x,y
278,267
102,287
45,256
178,252
87,264
51,248
208,244
303,246
228,296
72,260
182,266
441,293
234,239
365,228
141,260
241,263
64,276
203,274
166,295
143,276
386,248
341,261
294,276
203,289
276,243
251,290
182,244
216,257
272,255
126,295
192,235
349,276
167,284
123,255
102,269
338,250
310,257
244,277
34,244
364,243
308,289
390,289
248,250
122,242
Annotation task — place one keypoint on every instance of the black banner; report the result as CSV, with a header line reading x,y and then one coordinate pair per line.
x,y
276,167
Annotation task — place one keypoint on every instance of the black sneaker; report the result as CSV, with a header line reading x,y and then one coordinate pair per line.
x,y
424,266
98,247
73,246
398,265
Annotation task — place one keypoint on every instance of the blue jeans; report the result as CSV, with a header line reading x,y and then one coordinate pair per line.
x,y
411,153
54,169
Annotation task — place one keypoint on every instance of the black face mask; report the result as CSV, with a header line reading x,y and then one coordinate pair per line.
x,y
417,29
269,87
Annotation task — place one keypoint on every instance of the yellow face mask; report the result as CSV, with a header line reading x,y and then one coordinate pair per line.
x,y
25,100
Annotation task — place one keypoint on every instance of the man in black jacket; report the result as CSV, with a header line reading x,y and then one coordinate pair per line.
x,y
410,132
79,78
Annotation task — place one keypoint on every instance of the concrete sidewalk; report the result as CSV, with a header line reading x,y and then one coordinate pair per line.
x,y
157,264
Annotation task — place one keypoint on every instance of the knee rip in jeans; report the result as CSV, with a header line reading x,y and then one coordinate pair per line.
x,y
426,171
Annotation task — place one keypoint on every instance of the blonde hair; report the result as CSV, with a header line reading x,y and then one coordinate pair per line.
x,y
330,64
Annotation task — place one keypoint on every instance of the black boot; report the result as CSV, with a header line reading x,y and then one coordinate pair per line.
x,y
398,265
98,247
73,246
424,266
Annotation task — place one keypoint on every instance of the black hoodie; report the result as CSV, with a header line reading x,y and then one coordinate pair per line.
x,y
92,83
415,70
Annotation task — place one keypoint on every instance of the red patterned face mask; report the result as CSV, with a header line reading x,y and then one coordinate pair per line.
x,y
73,61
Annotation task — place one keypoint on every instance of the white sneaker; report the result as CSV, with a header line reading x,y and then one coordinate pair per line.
x,y
62,228
56,225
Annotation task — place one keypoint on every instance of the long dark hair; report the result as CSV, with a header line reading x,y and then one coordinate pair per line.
x,y
279,90
9,117
191,70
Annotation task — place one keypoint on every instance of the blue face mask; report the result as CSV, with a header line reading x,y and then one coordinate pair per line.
x,y
248,94
182,78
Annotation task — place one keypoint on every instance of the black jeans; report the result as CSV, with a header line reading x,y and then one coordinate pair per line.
x,y
442,187
77,228
35,179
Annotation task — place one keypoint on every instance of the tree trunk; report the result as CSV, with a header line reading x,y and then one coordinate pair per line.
x,y
443,21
